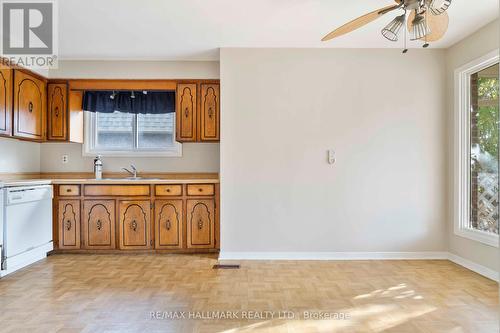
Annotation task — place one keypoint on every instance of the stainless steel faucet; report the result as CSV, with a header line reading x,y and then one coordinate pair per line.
x,y
133,173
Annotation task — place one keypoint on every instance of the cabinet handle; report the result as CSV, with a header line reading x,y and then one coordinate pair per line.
x,y
57,111
210,112
68,225
168,225
30,107
200,190
99,225
68,190
200,224
186,112
168,190
133,225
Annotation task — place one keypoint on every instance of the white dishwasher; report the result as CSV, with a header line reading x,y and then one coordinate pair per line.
x,y
27,226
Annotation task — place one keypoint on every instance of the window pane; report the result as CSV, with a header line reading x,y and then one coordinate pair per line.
x,y
115,131
155,130
484,150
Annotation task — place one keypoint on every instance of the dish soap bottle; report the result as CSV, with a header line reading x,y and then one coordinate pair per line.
x,y
98,167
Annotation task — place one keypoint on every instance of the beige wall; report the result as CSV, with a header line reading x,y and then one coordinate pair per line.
x,y
196,157
382,112
19,156
473,47
136,70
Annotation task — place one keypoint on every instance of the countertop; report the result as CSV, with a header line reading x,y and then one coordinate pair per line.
x,y
46,179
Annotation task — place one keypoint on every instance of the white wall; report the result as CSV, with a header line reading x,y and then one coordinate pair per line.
x,y
19,156
196,157
384,114
473,47
136,70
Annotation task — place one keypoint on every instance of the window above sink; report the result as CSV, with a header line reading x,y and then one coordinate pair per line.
x,y
133,131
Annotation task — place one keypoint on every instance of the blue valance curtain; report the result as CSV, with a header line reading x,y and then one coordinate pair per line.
x,y
137,102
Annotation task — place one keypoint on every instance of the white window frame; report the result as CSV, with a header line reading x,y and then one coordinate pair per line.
x,y
462,150
89,140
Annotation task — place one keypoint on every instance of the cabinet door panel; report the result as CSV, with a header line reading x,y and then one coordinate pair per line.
x,y
29,106
135,217
200,223
69,224
186,113
168,221
99,224
57,102
209,112
6,102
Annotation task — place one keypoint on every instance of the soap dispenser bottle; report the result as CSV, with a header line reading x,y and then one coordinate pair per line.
x,y
98,167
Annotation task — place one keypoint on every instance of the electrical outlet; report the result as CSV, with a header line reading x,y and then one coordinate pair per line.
x,y
65,159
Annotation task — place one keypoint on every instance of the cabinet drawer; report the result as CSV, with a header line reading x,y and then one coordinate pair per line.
x,y
200,189
116,190
69,190
168,190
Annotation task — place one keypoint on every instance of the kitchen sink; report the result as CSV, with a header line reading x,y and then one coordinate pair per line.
x,y
131,178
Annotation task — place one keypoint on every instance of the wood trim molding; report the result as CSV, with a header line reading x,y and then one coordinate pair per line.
x,y
126,84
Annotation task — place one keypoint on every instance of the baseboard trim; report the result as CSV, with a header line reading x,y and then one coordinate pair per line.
x,y
332,255
479,269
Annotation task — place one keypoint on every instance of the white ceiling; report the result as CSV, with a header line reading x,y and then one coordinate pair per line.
x,y
196,29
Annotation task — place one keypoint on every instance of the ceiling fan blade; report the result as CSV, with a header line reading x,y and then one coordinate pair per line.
x,y
438,24
359,22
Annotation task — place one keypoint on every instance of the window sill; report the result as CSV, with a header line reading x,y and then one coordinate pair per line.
x,y
478,236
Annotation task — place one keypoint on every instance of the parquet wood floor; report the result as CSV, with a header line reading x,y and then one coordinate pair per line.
x,y
119,293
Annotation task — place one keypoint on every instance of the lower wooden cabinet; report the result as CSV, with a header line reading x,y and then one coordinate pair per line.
x,y
200,223
163,217
134,225
168,221
98,224
69,224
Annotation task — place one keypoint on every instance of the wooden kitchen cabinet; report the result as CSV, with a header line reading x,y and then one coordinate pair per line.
x,y
134,225
168,224
98,224
156,217
200,215
30,105
69,224
186,105
6,78
57,111
209,112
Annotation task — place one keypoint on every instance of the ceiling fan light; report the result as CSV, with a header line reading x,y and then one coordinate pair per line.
x,y
438,7
420,29
391,30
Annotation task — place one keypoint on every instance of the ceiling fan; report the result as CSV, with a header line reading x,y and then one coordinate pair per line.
x,y
426,20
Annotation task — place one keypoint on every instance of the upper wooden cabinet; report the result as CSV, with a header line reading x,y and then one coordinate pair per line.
x,y
209,112
30,104
198,112
75,116
57,111
186,112
6,101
